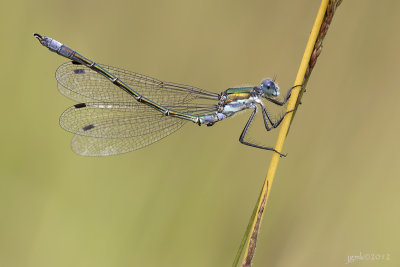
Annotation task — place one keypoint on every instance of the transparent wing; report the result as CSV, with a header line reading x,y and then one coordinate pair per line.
x,y
103,129
114,120
92,146
84,85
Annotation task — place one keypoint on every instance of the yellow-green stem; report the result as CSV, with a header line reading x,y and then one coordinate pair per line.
x,y
250,247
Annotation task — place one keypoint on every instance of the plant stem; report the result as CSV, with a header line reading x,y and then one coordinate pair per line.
x,y
312,51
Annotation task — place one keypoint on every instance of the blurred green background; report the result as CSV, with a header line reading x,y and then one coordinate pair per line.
x,y
186,200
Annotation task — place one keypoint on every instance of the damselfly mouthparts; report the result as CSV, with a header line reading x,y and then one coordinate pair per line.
x,y
122,111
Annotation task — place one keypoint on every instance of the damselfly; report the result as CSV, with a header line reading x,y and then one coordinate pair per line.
x,y
121,111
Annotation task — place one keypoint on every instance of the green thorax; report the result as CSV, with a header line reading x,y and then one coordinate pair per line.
x,y
239,90
235,94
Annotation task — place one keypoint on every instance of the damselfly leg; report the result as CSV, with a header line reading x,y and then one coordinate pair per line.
x,y
241,138
281,103
267,118
273,124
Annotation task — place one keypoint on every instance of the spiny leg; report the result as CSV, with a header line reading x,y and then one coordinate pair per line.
x,y
286,97
241,138
273,124
266,119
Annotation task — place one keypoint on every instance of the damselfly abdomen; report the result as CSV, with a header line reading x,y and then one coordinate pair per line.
x,y
121,111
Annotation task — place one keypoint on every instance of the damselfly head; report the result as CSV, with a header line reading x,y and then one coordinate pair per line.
x,y
269,87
